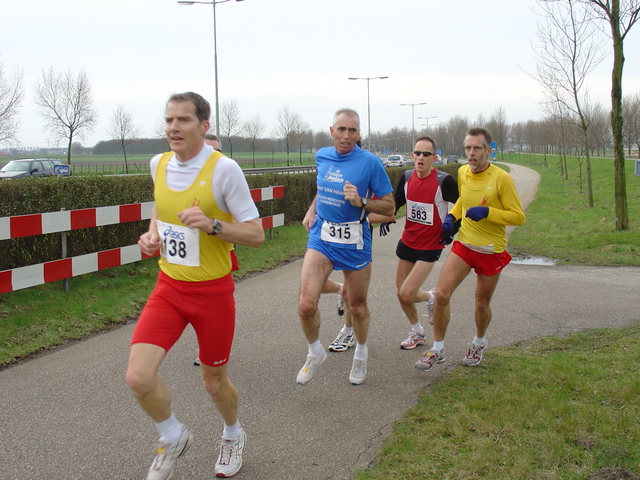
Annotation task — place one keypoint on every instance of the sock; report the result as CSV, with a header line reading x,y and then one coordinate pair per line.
x,y
340,289
170,430
418,328
316,349
439,346
361,352
347,330
231,432
478,341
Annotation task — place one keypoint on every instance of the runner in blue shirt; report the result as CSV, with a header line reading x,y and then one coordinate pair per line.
x,y
340,238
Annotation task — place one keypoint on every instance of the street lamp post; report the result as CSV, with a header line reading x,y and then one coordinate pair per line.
x,y
368,103
413,124
215,51
427,119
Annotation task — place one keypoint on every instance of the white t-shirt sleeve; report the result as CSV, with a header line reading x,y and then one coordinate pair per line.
x,y
153,165
231,191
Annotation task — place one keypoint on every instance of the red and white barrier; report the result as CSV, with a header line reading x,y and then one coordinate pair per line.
x,y
64,221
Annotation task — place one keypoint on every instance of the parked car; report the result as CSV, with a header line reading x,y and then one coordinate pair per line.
x,y
438,160
28,168
395,161
452,158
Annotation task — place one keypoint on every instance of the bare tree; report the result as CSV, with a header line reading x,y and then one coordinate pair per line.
x,y
253,128
500,128
124,130
11,94
301,133
66,105
286,127
600,130
568,51
517,136
631,113
230,122
621,15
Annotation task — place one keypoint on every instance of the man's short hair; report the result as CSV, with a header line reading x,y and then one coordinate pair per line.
x,y
475,132
211,136
203,109
346,111
427,139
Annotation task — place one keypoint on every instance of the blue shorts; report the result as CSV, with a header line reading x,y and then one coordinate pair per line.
x,y
343,257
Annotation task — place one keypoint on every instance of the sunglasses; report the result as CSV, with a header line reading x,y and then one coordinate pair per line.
x,y
417,153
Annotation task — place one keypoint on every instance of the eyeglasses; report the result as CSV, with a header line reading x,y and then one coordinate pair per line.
x,y
417,153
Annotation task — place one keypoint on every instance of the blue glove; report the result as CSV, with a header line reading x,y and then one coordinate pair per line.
x,y
477,213
449,229
385,227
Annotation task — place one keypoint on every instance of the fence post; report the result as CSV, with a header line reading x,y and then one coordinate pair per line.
x,y
63,240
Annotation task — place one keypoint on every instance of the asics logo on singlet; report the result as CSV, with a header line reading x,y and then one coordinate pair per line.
x,y
333,176
171,233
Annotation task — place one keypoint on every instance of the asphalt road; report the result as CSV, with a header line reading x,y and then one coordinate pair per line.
x,y
69,414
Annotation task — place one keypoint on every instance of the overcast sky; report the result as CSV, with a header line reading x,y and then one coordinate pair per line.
x,y
461,57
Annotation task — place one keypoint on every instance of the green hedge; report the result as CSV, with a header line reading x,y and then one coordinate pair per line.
x,y
31,196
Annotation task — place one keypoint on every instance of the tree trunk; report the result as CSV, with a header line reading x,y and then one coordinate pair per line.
x,y
620,185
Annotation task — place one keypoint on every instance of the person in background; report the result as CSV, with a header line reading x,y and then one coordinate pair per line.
x,y
202,205
488,202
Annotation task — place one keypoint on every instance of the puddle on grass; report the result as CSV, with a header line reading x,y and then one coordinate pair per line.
x,y
533,261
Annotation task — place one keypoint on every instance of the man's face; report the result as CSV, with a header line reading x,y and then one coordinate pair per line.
x,y
477,153
422,163
214,143
345,133
185,132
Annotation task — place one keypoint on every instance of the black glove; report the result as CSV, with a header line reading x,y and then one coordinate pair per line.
x,y
477,213
385,227
449,229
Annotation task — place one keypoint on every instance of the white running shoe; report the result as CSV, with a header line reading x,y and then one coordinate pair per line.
x,y
340,306
230,458
308,370
413,340
166,456
474,354
358,371
342,343
432,294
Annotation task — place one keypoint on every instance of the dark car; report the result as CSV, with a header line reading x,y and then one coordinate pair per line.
x,y
29,168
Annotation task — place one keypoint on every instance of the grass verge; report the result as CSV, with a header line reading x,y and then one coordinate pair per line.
x,y
556,408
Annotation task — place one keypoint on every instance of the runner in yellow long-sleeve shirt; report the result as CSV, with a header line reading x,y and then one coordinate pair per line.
x,y
488,202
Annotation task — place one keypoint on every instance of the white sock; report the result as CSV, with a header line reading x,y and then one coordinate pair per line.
x,y
439,346
316,349
340,289
347,330
418,328
170,430
231,432
361,352
478,341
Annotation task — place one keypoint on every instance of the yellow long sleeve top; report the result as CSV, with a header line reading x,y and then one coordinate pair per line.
x,y
493,188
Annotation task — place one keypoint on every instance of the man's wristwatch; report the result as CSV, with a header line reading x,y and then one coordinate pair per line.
x,y
217,227
364,201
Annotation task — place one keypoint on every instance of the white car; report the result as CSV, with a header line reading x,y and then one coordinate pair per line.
x,y
395,161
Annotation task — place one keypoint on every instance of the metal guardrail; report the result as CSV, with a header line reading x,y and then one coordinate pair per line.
x,y
294,169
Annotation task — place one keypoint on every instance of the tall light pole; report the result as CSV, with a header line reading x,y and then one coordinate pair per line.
x,y
427,119
413,118
215,51
368,103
